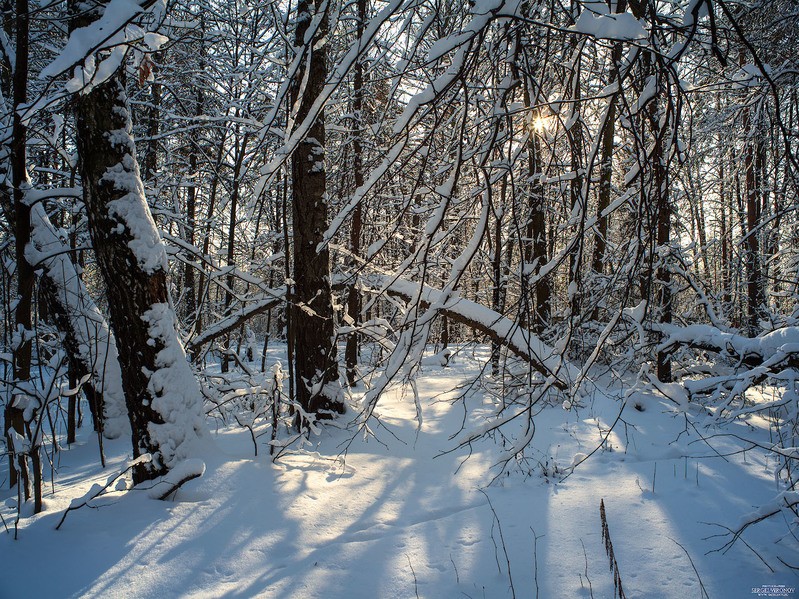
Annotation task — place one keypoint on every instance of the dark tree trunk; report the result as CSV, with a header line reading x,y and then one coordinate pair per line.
x,y
14,414
131,289
663,240
498,291
196,324
189,284
658,197
132,261
153,122
534,245
318,389
241,149
191,219
725,225
574,135
354,296
754,279
606,161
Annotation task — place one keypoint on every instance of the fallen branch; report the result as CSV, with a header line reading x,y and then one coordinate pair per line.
x,y
777,349
235,320
495,326
97,489
170,482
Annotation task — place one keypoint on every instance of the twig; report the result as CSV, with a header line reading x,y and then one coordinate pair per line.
x,y
94,493
502,540
618,591
590,586
598,447
457,578
704,594
415,582
535,560
175,486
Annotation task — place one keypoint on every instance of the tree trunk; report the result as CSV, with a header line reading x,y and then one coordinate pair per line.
x,y
663,241
240,151
161,394
354,296
725,226
535,242
606,162
537,238
754,280
90,347
498,291
191,220
574,135
318,389
14,413
153,121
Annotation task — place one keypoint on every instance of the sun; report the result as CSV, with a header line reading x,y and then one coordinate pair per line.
x,y
540,124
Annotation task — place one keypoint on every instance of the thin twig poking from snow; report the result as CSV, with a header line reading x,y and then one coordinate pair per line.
x,y
502,541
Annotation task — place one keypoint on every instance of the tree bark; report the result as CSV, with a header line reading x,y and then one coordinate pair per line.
x,y
318,389
161,395
354,296
754,280
240,151
535,242
14,412
498,291
606,161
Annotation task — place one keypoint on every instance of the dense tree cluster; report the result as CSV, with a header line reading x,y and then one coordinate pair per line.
x,y
589,187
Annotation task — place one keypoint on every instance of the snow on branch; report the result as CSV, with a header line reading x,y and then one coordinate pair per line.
x,y
97,489
774,350
178,476
89,339
498,328
93,53
229,323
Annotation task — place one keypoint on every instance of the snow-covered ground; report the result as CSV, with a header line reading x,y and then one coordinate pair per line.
x,y
397,517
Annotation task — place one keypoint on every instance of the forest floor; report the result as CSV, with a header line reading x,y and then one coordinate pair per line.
x,y
401,515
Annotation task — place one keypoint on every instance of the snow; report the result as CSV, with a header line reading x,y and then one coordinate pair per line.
x,y
521,340
395,517
647,94
132,211
751,75
106,32
96,345
183,471
175,389
112,31
771,344
618,26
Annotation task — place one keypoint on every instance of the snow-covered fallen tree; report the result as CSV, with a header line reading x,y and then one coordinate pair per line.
x,y
498,328
257,306
775,349
772,355
770,359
